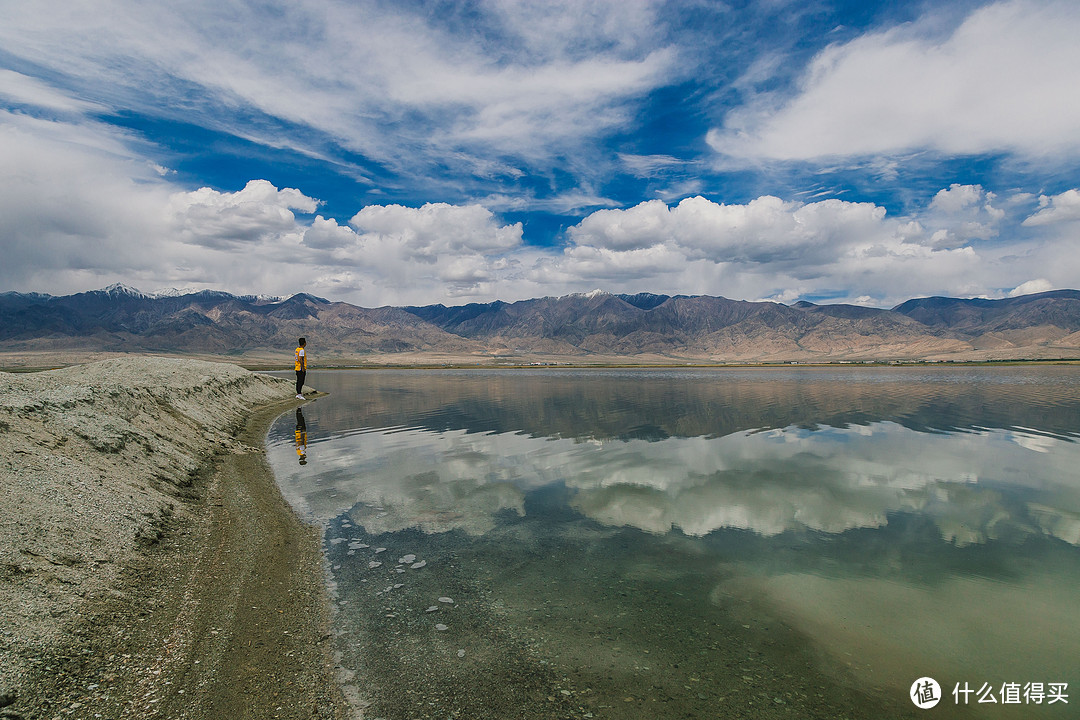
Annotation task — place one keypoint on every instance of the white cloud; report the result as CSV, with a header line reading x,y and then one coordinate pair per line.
x,y
1000,83
255,214
517,87
771,248
682,189
769,482
957,197
403,88
326,234
73,204
1031,287
962,213
81,207
435,229
585,265
431,252
565,203
22,89
765,230
1056,209
80,210
649,165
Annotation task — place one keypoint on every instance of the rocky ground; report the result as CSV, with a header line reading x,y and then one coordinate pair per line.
x,y
149,567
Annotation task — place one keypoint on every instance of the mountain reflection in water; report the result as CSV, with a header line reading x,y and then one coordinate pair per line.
x,y
654,405
919,520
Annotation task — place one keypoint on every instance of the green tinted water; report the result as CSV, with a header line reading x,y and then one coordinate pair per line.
x,y
729,543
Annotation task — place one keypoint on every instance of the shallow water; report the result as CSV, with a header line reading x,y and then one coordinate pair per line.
x,y
725,543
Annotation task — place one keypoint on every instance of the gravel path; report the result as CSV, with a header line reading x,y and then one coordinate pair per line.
x,y
148,564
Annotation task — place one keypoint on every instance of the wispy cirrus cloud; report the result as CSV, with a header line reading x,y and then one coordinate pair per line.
x,y
996,84
390,82
22,90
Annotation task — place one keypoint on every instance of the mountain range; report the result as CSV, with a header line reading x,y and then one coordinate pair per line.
x,y
581,327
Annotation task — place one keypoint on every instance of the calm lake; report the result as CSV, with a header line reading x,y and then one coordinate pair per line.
x,y
729,543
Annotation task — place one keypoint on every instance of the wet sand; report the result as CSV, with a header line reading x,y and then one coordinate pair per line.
x,y
149,567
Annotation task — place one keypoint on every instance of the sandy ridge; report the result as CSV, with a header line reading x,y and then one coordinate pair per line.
x,y
148,565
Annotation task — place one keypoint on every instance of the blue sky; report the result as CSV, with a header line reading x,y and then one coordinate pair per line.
x,y
420,152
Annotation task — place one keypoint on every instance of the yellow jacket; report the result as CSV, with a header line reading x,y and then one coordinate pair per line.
x,y
301,359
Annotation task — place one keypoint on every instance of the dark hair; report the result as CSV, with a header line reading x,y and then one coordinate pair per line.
x,y
302,341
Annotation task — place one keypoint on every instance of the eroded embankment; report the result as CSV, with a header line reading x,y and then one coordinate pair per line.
x,y
148,565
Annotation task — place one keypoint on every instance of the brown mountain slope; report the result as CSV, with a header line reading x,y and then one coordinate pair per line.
x,y
586,327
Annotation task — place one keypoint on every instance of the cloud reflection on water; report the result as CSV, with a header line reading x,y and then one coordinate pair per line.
x,y
907,522
975,485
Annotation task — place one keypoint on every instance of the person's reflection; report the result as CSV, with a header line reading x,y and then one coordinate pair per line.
x,y
301,437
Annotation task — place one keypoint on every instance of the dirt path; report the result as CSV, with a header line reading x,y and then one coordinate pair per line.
x,y
225,617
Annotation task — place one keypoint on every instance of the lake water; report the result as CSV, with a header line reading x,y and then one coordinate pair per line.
x,y
729,543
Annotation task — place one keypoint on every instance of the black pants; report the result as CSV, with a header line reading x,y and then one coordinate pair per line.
x,y
301,375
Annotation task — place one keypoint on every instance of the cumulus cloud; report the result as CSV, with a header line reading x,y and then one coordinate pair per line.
x,y
80,209
1056,209
436,228
765,230
995,84
222,219
1031,287
784,250
963,213
523,92
957,198
407,253
326,234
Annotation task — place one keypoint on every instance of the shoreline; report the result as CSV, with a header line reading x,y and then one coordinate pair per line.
x,y
823,365
688,366
217,608
37,360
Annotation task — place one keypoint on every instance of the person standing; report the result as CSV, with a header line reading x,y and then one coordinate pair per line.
x,y
301,367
